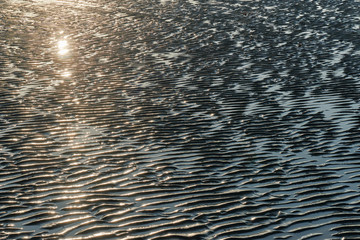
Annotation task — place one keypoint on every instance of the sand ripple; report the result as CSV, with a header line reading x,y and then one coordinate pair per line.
x,y
179,119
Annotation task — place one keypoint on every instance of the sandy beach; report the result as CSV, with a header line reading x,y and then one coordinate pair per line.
x,y
179,119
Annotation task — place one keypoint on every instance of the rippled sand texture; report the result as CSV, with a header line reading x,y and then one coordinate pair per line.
x,y
179,119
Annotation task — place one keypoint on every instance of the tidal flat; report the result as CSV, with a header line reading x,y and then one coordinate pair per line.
x,y
179,119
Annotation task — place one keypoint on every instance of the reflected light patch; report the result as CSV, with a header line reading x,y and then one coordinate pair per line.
x,y
66,74
63,47
62,44
76,101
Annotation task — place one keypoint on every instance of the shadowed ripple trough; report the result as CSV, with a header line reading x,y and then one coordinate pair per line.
x,y
179,119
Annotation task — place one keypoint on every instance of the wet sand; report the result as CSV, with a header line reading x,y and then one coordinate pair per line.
x,y
179,119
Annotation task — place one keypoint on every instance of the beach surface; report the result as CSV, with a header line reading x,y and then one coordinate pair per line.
x,y
179,119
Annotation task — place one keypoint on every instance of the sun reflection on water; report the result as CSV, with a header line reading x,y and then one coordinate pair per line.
x,y
66,74
63,47
63,50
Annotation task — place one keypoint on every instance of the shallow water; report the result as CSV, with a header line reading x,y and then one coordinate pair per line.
x,y
179,119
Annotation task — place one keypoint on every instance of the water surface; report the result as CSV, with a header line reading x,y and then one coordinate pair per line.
x,y
179,119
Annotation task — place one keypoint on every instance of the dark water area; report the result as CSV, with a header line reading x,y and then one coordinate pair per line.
x,y
179,119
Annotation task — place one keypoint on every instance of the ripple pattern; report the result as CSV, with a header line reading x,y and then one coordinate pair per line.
x,y
179,119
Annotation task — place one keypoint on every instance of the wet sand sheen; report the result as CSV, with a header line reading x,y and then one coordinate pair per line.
x,y
179,120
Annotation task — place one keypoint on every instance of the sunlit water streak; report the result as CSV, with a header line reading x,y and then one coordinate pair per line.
x,y
179,119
